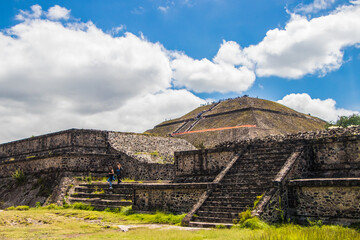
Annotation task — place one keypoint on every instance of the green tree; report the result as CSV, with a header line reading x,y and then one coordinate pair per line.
x,y
345,121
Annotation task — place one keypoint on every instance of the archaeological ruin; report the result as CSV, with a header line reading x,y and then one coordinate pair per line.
x,y
212,164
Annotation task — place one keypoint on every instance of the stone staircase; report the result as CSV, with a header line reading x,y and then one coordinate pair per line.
x,y
100,196
249,177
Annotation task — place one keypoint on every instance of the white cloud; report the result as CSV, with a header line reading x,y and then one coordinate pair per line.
x,y
303,47
324,109
207,76
164,9
56,12
136,114
36,13
138,11
314,7
117,30
230,52
56,76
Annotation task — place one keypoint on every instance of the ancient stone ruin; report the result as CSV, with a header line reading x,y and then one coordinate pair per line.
x,y
299,176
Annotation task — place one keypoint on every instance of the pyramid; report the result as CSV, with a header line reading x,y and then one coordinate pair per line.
x,y
236,119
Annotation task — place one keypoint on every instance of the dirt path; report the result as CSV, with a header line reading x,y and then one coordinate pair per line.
x,y
126,228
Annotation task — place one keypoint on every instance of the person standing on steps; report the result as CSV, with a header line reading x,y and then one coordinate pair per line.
x,y
118,173
111,176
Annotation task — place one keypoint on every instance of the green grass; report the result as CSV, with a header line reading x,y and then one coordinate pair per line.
x,y
59,223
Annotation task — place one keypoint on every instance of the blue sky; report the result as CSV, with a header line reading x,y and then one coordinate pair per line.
x,y
128,65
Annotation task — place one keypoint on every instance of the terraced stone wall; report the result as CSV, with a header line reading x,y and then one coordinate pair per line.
x,y
74,163
176,198
69,141
147,148
332,200
206,163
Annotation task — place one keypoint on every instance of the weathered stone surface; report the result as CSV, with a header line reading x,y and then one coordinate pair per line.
x,y
178,198
147,148
326,199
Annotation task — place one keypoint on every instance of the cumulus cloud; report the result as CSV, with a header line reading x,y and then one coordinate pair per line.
x,y
56,12
314,46
324,109
135,115
314,7
210,76
61,75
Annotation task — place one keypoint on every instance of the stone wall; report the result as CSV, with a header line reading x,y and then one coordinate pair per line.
x,y
191,165
69,141
147,148
76,163
176,198
83,151
331,200
332,153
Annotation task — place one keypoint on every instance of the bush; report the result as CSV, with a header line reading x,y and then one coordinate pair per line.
x,y
254,223
19,208
52,206
19,176
22,208
243,216
82,206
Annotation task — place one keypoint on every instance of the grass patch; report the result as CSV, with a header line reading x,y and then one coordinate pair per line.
x,y
60,223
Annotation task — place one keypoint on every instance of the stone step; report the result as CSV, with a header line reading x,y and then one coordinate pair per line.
x,y
232,215
250,175
235,194
262,157
82,189
258,166
216,205
103,196
98,201
208,225
261,162
245,183
235,209
254,156
106,185
212,219
245,187
226,199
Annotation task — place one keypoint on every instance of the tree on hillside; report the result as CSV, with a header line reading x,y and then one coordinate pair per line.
x,y
345,121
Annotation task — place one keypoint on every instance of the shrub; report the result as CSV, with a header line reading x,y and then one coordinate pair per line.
x,y
19,176
220,226
126,210
82,206
52,206
243,216
37,204
255,223
315,223
10,208
22,208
